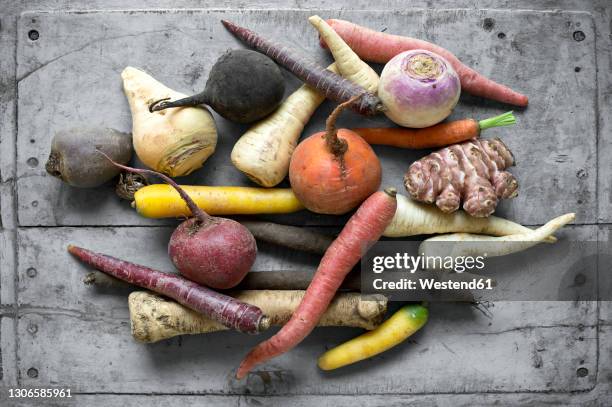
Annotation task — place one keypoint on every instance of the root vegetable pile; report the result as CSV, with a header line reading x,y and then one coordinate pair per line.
x,y
376,46
472,172
363,228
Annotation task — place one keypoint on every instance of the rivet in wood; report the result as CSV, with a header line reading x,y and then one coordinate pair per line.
x,y
31,272
32,373
579,36
33,35
32,328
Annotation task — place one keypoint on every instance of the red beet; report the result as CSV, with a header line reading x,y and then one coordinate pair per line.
x,y
216,252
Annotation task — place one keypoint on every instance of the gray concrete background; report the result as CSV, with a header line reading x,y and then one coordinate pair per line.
x,y
56,332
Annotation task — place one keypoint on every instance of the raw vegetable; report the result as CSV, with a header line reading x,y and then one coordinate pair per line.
x,y
216,252
414,218
419,88
154,318
256,280
405,322
264,151
334,86
293,237
362,229
243,86
128,184
348,63
440,135
75,160
162,201
479,245
332,172
175,142
375,46
219,307
472,172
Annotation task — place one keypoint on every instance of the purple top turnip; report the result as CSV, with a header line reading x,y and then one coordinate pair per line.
x,y
419,88
209,250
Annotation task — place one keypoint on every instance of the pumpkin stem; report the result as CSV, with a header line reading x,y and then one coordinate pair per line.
x,y
336,145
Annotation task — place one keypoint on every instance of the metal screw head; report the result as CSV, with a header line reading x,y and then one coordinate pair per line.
x,y
32,328
33,162
578,36
33,35
32,373
31,272
582,372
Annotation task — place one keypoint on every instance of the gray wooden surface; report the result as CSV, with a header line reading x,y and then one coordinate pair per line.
x,y
56,332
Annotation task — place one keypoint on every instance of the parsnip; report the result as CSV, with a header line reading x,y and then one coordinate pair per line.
x,y
176,141
162,201
348,63
156,318
489,245
264,151
414,218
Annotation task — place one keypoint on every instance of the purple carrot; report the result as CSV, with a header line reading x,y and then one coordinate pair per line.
x,y
332,85
221,308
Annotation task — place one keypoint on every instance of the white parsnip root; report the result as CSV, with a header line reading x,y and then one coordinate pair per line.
x,y
413,218
155,318
489,245
264,151
348,63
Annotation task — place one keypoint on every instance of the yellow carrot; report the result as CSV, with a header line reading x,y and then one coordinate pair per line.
x,y
162,201
405,322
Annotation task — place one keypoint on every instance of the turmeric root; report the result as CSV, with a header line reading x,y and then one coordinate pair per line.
x,y
155,318
472,171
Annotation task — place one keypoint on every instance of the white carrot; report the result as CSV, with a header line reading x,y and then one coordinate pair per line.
x,y
414,218
348,62
264,151
489,245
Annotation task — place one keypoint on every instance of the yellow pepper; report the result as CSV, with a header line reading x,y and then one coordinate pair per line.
x,y
162,201
405,322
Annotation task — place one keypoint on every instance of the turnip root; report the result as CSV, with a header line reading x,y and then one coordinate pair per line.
x,y
419,88
472,171
216,252
348,63
264,151
75,159
479,245
414,218
243,86
154,318
175,142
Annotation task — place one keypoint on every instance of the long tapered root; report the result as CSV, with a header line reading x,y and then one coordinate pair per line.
x,y
155,318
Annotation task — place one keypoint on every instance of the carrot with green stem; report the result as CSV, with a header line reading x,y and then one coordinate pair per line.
x,y
363,228
219,307
375,46
439,135
334,86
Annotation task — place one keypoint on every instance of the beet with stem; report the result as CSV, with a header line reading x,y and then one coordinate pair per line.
x,y
243,86
213,251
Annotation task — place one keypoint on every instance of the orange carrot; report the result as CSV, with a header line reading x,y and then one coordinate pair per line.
x,y
380,47
363,228
440,135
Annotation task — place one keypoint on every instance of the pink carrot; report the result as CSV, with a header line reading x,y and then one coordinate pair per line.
x,y
380,47
363,228
221,308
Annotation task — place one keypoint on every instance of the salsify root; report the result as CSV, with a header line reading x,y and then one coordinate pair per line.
x,y
472,172
155,318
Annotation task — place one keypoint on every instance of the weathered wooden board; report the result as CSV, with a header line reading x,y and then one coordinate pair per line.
x,y
70,76
65,326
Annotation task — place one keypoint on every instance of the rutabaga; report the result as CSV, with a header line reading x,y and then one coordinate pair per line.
x,y
175,141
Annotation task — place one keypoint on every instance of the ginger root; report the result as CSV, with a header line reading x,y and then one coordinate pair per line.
x,y
472,172
154,318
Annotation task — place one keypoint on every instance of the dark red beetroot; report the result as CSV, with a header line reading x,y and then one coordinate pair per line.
x,y
216,252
